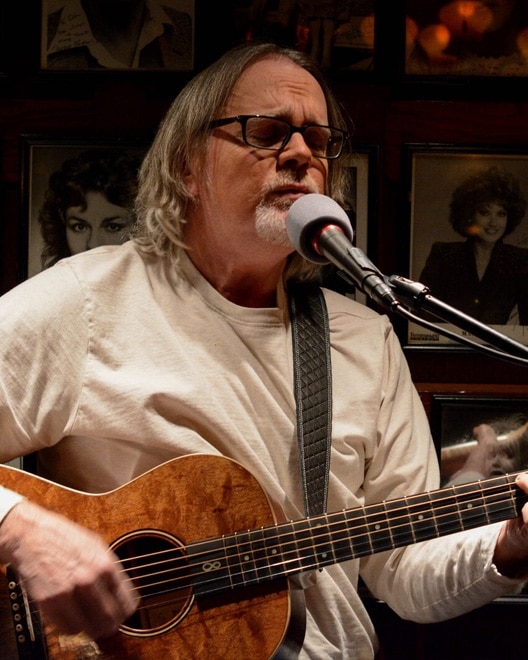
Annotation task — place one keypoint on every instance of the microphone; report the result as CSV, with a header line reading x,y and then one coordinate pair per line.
x,y
320,230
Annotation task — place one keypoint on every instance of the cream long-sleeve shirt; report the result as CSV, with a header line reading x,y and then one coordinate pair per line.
x,y
112,364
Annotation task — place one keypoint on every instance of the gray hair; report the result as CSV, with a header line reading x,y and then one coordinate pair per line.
x,y
183,135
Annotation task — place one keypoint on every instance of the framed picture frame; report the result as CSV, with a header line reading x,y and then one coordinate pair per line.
x,y
454,418
458,419
468,235
75,38
52,168
457,39
340,35
361,208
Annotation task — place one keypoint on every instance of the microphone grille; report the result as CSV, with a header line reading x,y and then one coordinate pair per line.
x,y
307,215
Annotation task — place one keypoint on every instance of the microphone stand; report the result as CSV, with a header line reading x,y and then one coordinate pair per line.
x,y
417,297
398,294
404,297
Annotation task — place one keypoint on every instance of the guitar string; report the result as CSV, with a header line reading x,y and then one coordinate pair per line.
x,y
476,513
323,524
291,527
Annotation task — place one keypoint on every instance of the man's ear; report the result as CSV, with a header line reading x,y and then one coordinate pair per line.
x,y
190,179
191,183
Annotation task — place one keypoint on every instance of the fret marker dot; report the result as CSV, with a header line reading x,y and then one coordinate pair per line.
x,y
420,517
324,555
377,526
274,552
246,557
469,506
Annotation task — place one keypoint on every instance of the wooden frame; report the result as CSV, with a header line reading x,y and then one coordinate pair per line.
x,y
66,40
434,172
361,206
40,157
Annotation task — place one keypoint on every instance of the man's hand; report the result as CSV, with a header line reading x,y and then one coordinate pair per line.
x,y
511,551
68,571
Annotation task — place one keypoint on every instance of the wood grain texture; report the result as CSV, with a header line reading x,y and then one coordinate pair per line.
x,y
192,498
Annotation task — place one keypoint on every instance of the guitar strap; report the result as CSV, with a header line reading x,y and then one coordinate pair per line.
x,y
313,391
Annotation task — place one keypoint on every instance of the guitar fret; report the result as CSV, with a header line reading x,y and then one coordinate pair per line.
x,y
323,549
360,539
446,512
304,550
254,556
342,543
471,509
246,552
423,519
378,527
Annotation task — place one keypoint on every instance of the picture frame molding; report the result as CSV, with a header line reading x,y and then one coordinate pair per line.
x,y
473,155
29,245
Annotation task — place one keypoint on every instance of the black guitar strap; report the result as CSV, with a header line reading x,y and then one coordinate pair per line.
x,y
313,392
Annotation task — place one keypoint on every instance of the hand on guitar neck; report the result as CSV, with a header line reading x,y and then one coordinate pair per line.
x,y
67,569
511,552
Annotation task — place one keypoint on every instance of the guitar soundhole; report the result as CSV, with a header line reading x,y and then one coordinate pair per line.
x,y
156,563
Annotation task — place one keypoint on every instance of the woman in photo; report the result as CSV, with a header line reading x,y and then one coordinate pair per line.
x,y
89,202
483,276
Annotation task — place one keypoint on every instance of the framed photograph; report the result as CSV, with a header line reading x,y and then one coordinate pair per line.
x,y
76,194
469,235
466,38
339,34
139,35
460,423
459,420
360,206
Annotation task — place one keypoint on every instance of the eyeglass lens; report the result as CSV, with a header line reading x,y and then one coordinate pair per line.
x,y
269,133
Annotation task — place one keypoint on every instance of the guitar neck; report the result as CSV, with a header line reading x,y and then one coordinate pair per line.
x,y
251,557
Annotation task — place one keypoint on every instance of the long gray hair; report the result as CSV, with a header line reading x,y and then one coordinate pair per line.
x,y
182,136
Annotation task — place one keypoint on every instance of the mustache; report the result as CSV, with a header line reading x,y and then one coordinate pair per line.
x,y
284,180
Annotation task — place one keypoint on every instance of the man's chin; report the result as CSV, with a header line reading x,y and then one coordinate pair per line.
x,y
270,225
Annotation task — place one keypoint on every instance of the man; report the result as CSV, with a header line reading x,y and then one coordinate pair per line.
x,y
162,350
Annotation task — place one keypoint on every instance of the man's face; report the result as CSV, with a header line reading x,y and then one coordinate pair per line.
x,y
244,193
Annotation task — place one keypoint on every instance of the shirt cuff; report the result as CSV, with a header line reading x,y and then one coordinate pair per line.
x,y
8,499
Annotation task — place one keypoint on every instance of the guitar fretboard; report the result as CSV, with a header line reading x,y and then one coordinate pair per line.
x,y
254,556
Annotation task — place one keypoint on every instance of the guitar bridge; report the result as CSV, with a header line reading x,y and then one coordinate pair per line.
x,y
27,625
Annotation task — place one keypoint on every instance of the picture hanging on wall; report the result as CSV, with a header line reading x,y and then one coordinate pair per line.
x,y
461,422
148,35
469,235
360,206
77,194
481,439
473,38
338,34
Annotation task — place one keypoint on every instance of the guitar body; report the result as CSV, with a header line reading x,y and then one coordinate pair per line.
x,y
178,503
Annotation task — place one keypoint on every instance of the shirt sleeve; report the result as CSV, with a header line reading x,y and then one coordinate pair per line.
x,y
8,499
436,579
43,349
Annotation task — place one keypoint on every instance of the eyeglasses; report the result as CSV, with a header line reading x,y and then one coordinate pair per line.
x,y
272,133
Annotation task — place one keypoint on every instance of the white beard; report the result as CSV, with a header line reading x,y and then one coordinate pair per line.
x,y
271,212
270,223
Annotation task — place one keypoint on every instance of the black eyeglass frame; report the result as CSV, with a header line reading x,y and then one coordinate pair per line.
x,y
243,119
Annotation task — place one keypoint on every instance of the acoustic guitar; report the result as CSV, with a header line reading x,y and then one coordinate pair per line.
x,y
210,556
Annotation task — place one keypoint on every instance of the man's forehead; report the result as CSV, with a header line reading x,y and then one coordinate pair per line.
x,y
273,82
